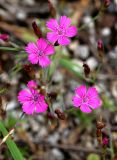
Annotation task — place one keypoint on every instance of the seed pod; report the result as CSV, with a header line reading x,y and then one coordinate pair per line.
x,y
37,30
86,69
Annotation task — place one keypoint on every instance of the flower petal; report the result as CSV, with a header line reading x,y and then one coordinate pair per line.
x,y
64,21
31,48
49,50
32,84
94,103
52,24
33,58
71,31
77,101
62,40
52,37
42,44
41,107
92,92
28,108
44,61
85,108
81,91
24,96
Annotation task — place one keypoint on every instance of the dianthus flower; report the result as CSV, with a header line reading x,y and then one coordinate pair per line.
x,y
60,32
86,99
38,53
32,101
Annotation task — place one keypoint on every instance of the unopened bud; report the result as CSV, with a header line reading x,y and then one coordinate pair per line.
x,y
86,69
28,68
100,48
52,8
57,111
100,125
4,37
60,114
50,115
36,30
105,141
107,3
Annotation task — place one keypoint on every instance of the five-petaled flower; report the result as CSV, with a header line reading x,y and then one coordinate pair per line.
x,y
86,99
32,101
38,53
60,32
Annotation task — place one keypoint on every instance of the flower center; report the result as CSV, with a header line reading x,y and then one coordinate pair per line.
x,y
61,30
40,53
35,98
85,99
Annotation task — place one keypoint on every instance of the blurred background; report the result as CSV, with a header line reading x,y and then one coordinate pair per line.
x,y
40,137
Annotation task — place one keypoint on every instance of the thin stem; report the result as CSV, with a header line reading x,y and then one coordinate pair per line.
x,y
86,25
10,49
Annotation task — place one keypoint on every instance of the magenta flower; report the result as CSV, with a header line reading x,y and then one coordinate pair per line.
x,y
86,99
32,101
38,53
62,31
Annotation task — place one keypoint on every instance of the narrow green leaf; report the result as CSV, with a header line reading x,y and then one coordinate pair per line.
x,y
16,154
71,66
10,49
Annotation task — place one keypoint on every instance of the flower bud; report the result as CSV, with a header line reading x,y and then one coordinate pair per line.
x,y
105,141
60,114
86,69
50,116
57,111
100,48
106,3
28,68
52,9
100,125
36,29
4,37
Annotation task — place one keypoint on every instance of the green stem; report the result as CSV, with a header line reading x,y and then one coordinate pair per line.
x,y
10,49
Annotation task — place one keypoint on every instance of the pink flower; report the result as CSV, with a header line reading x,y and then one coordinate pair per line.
x,y
32,101
86,99
38,53
4,37
60,32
